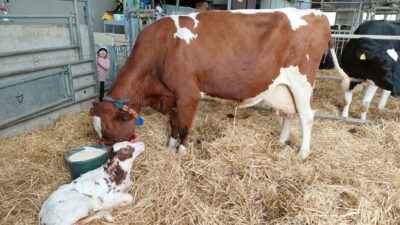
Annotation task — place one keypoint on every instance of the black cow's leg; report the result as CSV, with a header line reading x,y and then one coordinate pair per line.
x,y
186,106
174,123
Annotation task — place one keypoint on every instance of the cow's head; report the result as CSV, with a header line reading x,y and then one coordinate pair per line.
x,y
385,59
111,123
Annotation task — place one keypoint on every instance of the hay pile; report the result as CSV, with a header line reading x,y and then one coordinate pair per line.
x,y
234,174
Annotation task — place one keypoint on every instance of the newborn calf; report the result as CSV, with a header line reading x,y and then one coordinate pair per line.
x,y
89,197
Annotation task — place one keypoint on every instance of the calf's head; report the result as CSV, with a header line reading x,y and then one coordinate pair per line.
x,y
383,56
122,156
111,123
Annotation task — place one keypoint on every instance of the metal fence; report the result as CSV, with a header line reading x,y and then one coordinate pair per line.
x,y
46,67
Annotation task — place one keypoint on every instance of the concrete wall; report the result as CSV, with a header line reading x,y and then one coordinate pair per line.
x,y
61,7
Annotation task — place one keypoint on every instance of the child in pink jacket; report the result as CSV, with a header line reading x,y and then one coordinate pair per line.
x,y
103,64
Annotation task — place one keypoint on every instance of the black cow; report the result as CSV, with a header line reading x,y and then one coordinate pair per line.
x,y
375,61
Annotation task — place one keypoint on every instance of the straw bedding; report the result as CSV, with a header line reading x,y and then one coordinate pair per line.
x,y
235,173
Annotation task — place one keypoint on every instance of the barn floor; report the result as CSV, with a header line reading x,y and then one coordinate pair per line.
x,y
235,172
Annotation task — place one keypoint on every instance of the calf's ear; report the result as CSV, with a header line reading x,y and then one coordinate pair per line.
x,y
124,116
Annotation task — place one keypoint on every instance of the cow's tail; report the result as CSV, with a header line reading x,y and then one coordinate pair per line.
x,y
345,78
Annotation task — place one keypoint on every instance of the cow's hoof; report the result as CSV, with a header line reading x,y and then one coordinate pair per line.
x,y
304,154
182,150
172,142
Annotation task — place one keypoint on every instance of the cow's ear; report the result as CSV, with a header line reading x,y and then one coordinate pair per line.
x,y
95,104
91,112
124,116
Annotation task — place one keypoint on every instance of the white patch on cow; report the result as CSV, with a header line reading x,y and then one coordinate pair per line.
x,y
293,14
193,16
97,125
172,142
184,33
384,98
289,84
308,57
348,97
392,53
366,101
285,130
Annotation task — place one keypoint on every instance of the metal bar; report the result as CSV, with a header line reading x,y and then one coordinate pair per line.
x,y
67,84
32,79
89,22
80,88
46,111
34,113
359,13
376,37
71,83
40,50
332,77
83,74
14,16
78,30
31,70
71,31
327,116
345,119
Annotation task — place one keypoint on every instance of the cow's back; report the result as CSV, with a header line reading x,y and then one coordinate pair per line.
x,y
231,51
355,65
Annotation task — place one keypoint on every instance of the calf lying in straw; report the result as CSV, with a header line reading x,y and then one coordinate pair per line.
x,y
90,196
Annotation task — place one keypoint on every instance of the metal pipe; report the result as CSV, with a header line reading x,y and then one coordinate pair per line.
x,y
345,119
31,70
35,51
80,88
14,16
356,36
32,79
46,112
71,82
34,113
78,30
71,31
326,116
83,74
177,5
89,22
332,77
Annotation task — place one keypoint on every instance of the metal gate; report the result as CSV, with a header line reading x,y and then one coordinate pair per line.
x,y
48,66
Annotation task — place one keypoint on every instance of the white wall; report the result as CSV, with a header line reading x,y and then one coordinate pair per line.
x,y
61,7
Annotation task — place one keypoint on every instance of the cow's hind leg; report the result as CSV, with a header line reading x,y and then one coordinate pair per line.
x,y
384,98
366,101
302,92
348,97
287,122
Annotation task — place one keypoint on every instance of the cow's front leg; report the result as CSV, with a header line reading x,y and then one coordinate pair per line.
x,y
186,107
174,123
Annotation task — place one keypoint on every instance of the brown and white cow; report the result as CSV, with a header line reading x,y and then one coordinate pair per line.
x,y
251,56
